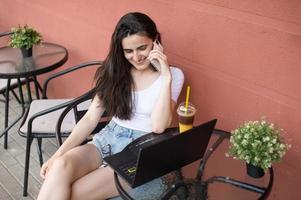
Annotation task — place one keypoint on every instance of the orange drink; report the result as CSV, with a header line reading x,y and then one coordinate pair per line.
x,y
186,115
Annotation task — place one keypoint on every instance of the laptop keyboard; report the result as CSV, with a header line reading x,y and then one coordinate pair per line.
x,y
129,168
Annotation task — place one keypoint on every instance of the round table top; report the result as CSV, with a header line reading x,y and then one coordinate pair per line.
x,y
45,57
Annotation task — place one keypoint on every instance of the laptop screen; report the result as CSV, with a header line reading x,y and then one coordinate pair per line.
x,y
175,152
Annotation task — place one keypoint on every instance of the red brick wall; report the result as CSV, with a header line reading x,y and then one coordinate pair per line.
x,y
241,58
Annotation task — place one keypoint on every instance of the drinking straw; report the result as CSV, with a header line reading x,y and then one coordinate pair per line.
x,y
187,98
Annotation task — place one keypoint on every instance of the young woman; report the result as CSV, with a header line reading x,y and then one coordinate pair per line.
x,y
140,98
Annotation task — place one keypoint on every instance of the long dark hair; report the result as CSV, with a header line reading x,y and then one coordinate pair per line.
x,y
114,83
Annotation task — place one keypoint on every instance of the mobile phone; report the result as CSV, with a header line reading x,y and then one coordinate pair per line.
x,y
155,63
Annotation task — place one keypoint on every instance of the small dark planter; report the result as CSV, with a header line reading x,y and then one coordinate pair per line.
x,y
26,52
254,171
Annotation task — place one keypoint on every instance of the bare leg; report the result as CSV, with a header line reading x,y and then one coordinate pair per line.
x,y
66,169
97,185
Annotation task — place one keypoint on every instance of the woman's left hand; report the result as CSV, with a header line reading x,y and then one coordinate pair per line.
x,y
157,54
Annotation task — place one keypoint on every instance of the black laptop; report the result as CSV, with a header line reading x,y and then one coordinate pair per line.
x,y
155,155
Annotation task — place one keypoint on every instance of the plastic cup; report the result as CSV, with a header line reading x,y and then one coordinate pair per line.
x,y
186,116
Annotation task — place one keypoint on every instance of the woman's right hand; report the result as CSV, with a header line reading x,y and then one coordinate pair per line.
x,y
46,167
157,54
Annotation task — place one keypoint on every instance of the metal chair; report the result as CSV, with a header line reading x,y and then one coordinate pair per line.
x,y
79,113
42,116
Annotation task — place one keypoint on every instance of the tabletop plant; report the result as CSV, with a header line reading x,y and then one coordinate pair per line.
x,y
259,143
24,37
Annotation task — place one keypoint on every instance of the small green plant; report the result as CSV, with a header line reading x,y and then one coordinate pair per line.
x,y
258,143
24,37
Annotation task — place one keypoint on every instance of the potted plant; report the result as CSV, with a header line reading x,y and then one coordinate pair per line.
x,y
24,38
259,143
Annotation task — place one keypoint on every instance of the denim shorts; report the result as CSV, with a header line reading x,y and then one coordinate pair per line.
x,y
111,140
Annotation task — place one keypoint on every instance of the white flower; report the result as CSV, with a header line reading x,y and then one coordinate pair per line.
x,y
244,142
271,126
265,139
271,150
257,142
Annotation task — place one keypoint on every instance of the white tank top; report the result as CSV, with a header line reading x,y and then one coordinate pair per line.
x,y
145,100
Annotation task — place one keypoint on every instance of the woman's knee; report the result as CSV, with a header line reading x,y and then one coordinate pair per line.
x,y
62,166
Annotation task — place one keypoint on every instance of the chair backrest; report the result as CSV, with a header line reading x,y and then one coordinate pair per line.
x,y
90,64
4,42
50,131
5,33
79,107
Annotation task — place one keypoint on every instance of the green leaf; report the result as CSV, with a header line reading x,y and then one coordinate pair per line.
x,y
24,37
